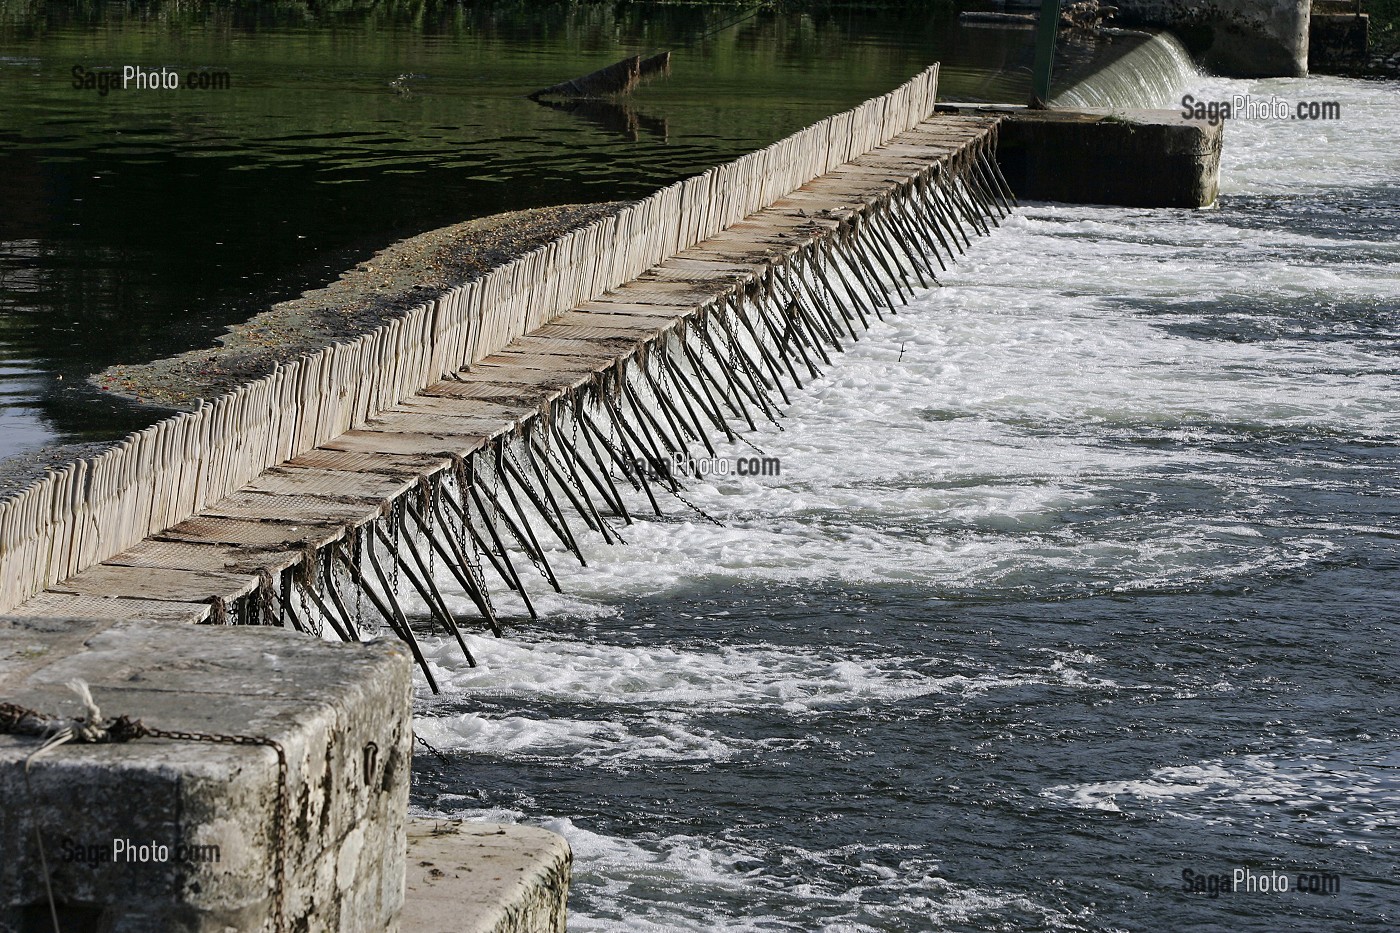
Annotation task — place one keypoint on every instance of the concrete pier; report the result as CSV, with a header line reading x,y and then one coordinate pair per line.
x,y
1338,37
485,878
1132,158
1237,38
301,830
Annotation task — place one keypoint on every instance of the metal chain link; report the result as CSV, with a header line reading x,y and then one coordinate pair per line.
x,y
510,529
19,720
283,802
572,480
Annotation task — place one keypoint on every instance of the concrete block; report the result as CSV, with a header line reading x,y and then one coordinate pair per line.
x,y
1237,38
485,878
1134,158
205,812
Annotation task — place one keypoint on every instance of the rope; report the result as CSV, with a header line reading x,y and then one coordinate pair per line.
x,y
94,729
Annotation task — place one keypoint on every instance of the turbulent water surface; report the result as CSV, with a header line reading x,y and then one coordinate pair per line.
x,y
1079,575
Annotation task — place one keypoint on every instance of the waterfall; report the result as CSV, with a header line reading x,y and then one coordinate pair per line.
x,y
1152,74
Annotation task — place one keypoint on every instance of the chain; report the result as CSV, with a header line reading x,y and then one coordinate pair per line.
x,y
282,817
527,474
510,527
667,486
572,480
395,523
705,350
464,537
695,508
359,593
94,729
467,540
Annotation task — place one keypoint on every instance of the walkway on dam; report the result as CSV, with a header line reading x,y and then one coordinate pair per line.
x,y
194,570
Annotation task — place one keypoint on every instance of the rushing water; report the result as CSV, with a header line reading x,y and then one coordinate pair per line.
x,y
1079,574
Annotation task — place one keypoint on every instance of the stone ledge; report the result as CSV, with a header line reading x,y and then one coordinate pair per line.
x,y
468,877
340,712
1124,157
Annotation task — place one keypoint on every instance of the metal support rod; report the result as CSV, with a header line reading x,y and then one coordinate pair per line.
x,y
855,268
325,611
879,247
757,384
457,563
514,578
605,489
661,445
821,259
899,236
1046,29
664,364
680,425
818,322
923,211
566,472
427,590
782,340
995,168
729,386
521,530
905,213
949,208
623,430
426,571
560,527
737,386
736,302
861,250
406,631
703,397
830,311
339,603
388,614
499,562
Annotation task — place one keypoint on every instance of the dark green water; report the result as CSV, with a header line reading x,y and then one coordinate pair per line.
x,y
140,223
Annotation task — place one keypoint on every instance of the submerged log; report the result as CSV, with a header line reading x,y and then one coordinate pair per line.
x,y
616,79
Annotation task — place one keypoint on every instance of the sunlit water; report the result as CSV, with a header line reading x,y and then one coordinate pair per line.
x,y
139,224
1080,573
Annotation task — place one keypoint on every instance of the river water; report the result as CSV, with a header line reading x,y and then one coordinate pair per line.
x,y
138,224
1079,575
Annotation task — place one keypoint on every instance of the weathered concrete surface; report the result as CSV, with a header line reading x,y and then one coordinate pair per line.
x,y
1236,38
485,878
1134,158
340,712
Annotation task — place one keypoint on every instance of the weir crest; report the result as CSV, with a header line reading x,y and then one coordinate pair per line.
x,y
518,409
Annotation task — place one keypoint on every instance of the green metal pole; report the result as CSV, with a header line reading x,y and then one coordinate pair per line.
x,y
1046,29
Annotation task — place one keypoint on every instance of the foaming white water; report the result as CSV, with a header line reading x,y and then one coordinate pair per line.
x,y
673,884
648,698
1291,156
1033,426
1153,74
1255,786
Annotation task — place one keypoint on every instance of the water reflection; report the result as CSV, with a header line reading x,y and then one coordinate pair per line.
x,y
614,116
139,224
